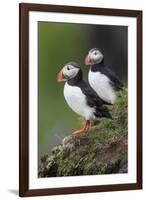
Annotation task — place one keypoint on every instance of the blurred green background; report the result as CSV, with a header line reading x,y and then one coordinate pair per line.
x,y
59,43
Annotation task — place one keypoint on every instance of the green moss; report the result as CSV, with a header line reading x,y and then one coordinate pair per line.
x,y
117,126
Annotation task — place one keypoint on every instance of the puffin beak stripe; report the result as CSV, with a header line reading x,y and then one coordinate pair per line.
x,y
59,77
87,60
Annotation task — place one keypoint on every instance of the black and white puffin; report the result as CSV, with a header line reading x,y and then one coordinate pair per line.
x,y
101,78
80,97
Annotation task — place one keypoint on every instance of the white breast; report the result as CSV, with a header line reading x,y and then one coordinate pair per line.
x,y
101,84
77,102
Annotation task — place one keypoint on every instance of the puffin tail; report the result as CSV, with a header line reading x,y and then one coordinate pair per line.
x,y
102,112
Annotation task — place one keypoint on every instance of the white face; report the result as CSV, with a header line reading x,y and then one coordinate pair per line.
x,y
95,56
69,71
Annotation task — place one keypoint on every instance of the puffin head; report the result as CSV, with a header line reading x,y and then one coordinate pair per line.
x,y
69,71
94,57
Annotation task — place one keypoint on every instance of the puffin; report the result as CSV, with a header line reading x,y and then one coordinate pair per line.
x,y
101,78
80,96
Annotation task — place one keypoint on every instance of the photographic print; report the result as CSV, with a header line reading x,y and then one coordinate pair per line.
x,y
83,115
80,99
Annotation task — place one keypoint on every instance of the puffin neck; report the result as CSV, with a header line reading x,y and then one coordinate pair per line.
x,y
97,66
74,81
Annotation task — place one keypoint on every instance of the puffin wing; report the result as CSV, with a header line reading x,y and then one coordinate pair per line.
x,y
115,81
94,100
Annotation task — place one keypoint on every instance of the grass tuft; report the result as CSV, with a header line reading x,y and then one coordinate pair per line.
x,y
116,127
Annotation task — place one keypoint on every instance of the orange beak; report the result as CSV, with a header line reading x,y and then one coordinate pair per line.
x,y
87,60
59,77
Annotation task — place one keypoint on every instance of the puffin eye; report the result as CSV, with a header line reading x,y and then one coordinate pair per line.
x,y
95,53
68,68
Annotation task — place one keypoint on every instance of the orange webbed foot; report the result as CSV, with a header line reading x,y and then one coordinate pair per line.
x,y
85,129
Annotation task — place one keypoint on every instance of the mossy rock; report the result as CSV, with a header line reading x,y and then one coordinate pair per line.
x,y
86,159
